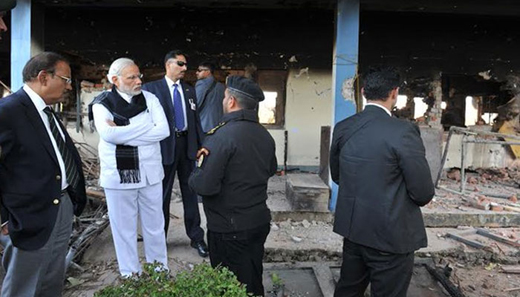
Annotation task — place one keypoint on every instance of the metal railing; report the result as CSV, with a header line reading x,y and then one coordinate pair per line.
x,y
466,133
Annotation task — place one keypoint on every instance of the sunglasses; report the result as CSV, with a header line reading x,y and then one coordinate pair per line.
x,y
181,63
202,69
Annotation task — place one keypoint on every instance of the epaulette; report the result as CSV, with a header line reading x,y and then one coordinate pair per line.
x,y
212,131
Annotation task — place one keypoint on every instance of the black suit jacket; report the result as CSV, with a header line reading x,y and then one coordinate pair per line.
x,y
160,89
379,164
30,176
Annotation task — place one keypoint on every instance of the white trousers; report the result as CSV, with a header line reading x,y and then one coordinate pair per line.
x,y
124,207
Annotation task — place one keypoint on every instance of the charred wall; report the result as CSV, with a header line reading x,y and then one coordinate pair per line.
x,y
424,45
232,37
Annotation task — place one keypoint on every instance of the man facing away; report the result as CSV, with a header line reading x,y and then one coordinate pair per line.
x,y
209,96
235,163
180,148
131,123
41,181
379,164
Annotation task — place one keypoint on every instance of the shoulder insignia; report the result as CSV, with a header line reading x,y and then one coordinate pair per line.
x,y
212,131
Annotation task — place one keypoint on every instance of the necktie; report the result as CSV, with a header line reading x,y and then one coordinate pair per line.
x,y
177,109
70,166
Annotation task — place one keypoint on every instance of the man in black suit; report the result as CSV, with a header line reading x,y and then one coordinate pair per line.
x,y
379,164
41,181
180,149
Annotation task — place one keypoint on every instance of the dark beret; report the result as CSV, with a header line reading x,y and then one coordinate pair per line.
x,y
6,5
245,86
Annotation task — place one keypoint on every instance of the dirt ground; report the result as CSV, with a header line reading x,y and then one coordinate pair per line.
x,y
477,273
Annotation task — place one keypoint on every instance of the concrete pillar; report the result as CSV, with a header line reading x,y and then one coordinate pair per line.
x,y
432,134
436,111
27,32
344,67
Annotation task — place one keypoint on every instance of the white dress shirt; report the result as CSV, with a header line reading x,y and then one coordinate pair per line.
x,y
380,106
40,106
144,131
170,84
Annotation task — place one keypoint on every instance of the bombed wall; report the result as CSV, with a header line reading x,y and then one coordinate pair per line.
x,y
469,55
232,37
426,44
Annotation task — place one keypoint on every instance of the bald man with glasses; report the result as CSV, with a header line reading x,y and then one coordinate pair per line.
x,y
179,150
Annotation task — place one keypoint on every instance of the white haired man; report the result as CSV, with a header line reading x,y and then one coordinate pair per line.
x,y
131,123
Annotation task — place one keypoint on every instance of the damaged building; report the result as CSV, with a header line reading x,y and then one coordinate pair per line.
x,y
458,59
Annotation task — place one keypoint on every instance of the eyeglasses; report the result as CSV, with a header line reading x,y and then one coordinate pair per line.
x,y
67,80
202,69
135,76
181,63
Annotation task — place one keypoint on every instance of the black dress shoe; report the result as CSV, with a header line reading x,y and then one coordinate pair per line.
x,y
201,248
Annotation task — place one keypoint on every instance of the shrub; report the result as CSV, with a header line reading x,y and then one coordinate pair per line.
x,y
154,281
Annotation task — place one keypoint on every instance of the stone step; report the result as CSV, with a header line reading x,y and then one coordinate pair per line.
x,y
307,192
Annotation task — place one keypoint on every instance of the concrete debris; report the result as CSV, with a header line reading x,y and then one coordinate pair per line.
x,y
296,239
285,224
274,227
293,59
306,224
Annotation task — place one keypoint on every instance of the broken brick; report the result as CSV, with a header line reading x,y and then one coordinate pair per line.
x,y
454,174
472,180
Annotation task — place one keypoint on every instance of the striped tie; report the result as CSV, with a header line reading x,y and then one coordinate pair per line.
x,y
70,166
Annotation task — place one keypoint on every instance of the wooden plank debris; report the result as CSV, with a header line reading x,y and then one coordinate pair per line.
x,y
512,269
469,242
498,238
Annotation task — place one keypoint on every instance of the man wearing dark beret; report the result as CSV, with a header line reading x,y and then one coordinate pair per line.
x,y
5,6
235,163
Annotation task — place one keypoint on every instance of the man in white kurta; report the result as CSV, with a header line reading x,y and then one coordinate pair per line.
x,y
140,196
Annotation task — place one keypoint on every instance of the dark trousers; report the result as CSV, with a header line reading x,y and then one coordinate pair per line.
x,y
39,272
389,274
242,253
183,166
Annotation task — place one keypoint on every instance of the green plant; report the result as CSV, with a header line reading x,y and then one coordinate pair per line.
x,y
277,281
209,282
154,281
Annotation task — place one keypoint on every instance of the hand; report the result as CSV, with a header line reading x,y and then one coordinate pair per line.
x,y
5,231
202,151
111,123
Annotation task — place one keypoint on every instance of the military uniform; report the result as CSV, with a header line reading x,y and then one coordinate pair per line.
x,y
232,179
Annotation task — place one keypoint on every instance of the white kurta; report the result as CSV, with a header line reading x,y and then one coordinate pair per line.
x,y
145,131
127,202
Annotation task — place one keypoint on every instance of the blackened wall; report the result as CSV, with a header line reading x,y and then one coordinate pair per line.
x,y
233,37
421,44
426,44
